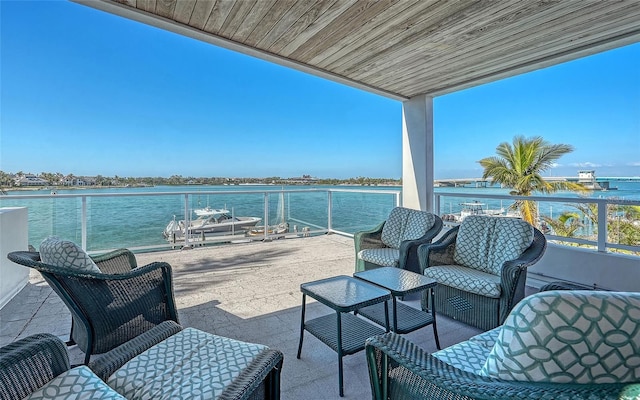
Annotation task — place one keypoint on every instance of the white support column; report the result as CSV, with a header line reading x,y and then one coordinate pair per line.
x,y
417,153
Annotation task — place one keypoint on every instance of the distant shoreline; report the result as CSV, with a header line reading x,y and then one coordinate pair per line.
x,y
54,188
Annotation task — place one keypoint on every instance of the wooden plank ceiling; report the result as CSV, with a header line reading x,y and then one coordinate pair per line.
x,y
399,48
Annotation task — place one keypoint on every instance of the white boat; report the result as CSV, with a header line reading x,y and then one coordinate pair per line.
x,y
211,221
472,208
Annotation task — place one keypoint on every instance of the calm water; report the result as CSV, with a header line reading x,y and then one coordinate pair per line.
x,y
135,221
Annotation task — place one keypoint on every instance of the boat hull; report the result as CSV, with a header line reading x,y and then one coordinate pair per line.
x,y
239,225
243,223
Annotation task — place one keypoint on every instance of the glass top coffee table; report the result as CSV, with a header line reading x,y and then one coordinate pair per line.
x,y
343,332
400,282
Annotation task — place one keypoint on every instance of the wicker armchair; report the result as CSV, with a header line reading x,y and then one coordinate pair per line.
x,y
398,369
394,242
113,306
28,364
468,306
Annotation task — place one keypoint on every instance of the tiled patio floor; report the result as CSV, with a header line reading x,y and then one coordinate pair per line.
x,y
249,292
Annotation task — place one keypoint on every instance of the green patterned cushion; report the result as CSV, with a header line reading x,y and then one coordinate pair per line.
x,y
570,337
405,224
468,356
485,243
78,383
385,256
63,253
487,339
189,364
467,279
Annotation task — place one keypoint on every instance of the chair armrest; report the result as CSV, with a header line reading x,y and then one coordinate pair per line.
x,y
106,364
513,275
265,368
28,364
370,239
408,372
409,248
116,262
439,252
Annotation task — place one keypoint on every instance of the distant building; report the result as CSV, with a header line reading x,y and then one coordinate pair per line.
x,y
78,181
30,180
587,176
306,179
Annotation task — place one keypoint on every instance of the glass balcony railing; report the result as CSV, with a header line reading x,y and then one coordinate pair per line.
x,y
101,220
604,224
140,220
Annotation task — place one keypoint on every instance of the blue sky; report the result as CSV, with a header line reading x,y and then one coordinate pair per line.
x,y
86,92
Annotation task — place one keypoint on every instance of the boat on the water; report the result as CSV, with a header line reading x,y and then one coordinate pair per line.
x,y
210,221
472,208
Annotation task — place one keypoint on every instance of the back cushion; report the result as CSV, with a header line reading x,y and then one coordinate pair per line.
x,y
485,243
64,253
569,337
405,224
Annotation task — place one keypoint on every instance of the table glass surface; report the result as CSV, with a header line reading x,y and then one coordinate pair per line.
x,y
399,281
343,291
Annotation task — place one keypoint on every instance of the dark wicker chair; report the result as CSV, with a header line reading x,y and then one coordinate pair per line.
x,y
473,309
398,370
28,364
407,248
111,307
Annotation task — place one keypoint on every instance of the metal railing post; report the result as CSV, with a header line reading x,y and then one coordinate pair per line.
x,y
329,210
83,223
602,226
187,221
266,215
398,204
436,204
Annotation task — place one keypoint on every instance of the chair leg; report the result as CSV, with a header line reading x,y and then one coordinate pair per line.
x,y
70,342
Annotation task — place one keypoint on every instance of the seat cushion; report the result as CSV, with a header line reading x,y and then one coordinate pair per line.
x,y
569,337
485,243
405,224
78,383
467,279
64,253
386,256
468,356
190,364
487,339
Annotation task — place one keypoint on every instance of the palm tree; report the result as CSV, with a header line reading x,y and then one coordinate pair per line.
x,y
519,166
565,225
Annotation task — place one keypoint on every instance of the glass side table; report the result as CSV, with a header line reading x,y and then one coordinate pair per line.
x,y
400,282
343,332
